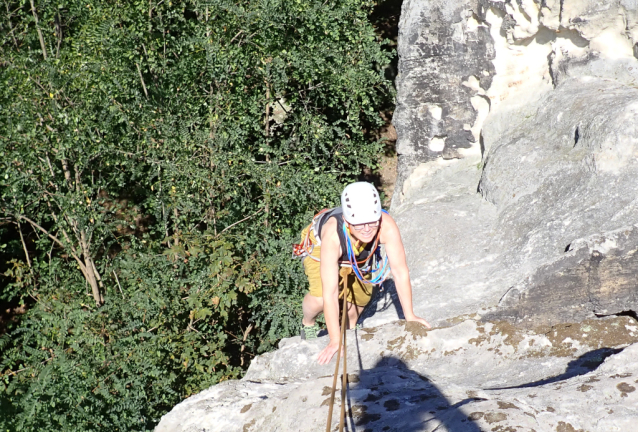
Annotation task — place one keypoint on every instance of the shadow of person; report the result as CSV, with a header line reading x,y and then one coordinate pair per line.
x,y
382,298
579,366
391,397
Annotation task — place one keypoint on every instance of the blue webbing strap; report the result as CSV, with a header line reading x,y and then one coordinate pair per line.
x,y
381,274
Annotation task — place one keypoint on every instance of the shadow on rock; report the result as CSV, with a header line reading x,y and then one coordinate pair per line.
x,y
391,397
383,298
585,363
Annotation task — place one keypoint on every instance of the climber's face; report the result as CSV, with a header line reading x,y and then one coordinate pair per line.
x,y
364,232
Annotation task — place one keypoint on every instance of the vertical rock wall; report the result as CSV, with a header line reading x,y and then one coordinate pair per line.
x,y
462,60
534,105
445,52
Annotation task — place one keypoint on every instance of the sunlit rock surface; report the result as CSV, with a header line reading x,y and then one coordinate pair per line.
x,y
471,376
517,202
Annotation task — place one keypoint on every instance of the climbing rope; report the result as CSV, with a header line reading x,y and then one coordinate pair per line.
x,y
305,248
344,272
353,266
382,273
368,265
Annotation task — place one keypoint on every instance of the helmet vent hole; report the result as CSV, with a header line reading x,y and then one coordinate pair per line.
x,y
375,201
349,206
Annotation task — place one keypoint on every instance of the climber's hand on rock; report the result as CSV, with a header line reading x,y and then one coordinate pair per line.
x,y
328,352
417,319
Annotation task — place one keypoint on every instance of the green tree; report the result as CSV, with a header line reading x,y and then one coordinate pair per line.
x,y
157,161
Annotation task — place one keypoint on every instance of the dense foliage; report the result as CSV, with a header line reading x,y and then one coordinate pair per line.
x,y
157,161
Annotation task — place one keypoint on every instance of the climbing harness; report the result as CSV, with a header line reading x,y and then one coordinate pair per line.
x,y
344,377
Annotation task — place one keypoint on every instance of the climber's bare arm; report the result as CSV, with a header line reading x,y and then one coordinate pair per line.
x,y
391,238
329,268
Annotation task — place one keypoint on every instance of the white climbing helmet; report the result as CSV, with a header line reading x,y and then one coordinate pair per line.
x,y
360,203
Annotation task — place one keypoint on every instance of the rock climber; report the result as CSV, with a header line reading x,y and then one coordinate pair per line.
x,y
349,237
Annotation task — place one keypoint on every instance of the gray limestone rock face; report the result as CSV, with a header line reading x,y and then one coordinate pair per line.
x,y
596,277
472,377
555,158
517,204
460,60
564,174
441,44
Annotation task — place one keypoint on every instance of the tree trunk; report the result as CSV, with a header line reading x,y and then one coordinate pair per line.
x,y
92,275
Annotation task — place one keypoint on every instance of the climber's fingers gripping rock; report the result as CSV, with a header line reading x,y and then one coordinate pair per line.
x,y
419,320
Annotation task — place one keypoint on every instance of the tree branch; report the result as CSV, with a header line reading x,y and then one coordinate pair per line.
x,y
78,183
35,15
51,236
118,284
267,121
238,222
35,225
29,367
58,31
24,245
91,272
67,172
11,26
55,218
233,39
139,71
99,280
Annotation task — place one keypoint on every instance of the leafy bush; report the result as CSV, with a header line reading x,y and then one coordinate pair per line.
x,y
157,160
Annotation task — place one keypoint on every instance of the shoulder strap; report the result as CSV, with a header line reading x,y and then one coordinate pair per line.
x,y
342,239
323,218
